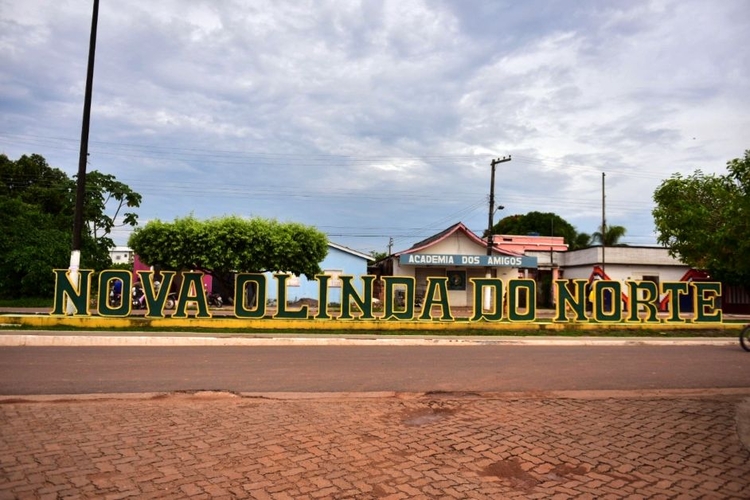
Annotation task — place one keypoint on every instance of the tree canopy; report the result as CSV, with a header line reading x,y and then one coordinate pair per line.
x,y
220,246
543,224
37,203
705,220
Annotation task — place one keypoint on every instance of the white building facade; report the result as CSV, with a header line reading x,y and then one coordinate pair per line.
x,y
460,255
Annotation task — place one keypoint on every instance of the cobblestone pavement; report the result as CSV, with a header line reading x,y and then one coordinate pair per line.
x,y
211,445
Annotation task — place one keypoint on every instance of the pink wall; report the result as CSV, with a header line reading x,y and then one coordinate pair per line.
x,y
139,265
521,244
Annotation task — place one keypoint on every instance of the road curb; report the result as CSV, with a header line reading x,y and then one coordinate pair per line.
x,y
212,395
138,339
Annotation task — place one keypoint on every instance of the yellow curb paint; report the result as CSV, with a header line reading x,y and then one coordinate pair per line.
x,y
98,322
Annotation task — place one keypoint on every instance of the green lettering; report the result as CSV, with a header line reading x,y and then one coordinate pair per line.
x,y
156,300
191,291
576,300
105,280
674,290
77,293
649,301
323,280
515,287
258,283
436,295
349,295
705,302
282,312
602,290
389,284
496,313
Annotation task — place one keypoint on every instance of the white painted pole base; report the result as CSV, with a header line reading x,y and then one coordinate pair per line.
x,y
488,293
75,264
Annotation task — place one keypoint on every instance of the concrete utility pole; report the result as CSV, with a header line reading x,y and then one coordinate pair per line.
x,y
75,254
604,224
490,236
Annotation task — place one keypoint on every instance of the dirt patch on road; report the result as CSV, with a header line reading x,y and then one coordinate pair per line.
x,y
511,471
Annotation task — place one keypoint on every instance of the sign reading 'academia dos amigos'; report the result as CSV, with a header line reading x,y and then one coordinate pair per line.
x,y
513,300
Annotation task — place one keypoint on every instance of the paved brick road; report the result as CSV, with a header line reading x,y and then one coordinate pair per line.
x,y
433,446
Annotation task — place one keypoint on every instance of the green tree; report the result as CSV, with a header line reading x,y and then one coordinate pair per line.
x,y
222,246
583,240
378,255
542,223
105,195
36,211
31,245
704,220
611,237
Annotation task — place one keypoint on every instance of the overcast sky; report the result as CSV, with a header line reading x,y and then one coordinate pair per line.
x,y
377,120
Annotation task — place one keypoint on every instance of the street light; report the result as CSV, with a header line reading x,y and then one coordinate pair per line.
x,y
490,237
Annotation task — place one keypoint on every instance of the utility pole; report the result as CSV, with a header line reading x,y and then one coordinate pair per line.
x,y
552,260
75,254
551,242
490,236
604,224
390,245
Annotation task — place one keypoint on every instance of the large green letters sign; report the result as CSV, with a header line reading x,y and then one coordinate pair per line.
x,y
514,300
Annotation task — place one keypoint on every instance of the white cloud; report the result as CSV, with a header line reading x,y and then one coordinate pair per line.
x,y
353,115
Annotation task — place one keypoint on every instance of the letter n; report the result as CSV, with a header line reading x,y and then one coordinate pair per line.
x,y
576,300
389,284
78,295
349,294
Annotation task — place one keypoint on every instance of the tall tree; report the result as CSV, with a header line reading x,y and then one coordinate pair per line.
x,y
221,246
36,211
705,220
583,240
543,224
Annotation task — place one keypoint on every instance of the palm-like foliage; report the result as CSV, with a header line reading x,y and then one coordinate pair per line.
x,y
611,236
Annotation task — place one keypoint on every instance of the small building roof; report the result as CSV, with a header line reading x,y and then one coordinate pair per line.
x,y
456,228
350,251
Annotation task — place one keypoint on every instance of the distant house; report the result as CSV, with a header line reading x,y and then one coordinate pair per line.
x,y
121,255
632,263
460,255
340,261
640,263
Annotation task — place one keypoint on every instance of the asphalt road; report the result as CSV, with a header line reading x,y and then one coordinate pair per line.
x,y
489,368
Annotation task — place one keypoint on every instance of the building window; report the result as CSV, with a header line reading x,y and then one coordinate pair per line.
x,y
456,280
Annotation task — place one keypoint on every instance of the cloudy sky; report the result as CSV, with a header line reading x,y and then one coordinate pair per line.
x,y
375,120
